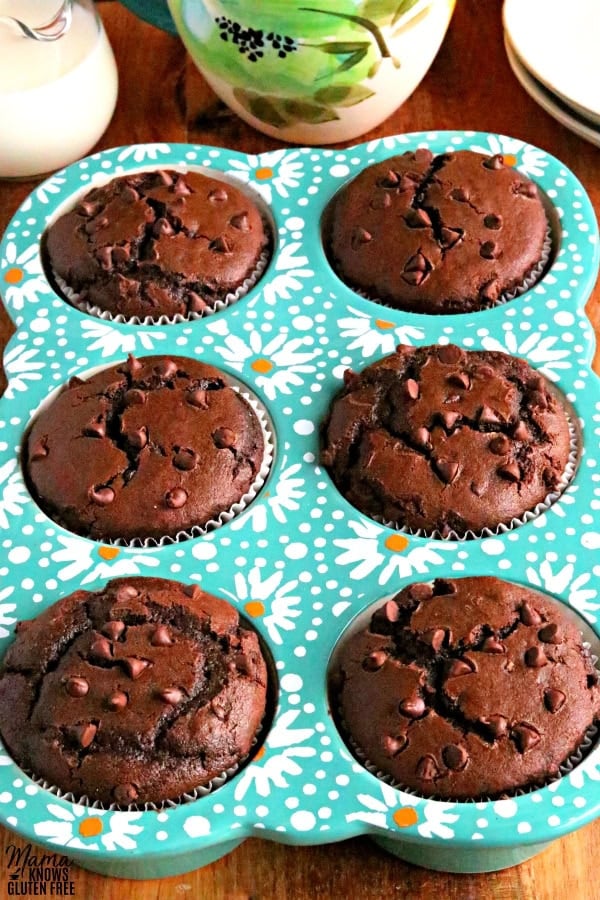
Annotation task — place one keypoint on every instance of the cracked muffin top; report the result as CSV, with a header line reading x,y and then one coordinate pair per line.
x,y
136,693
157,243
448,440
145,449
467,689
446,234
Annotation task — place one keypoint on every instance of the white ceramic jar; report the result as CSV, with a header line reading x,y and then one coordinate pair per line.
x,y
56,98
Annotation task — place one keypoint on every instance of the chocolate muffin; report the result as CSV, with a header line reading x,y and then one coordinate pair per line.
x,y
146,449
446,234
133,694
157,243
467,689
447,440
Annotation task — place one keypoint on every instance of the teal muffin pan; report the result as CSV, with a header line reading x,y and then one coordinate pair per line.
x,y
300,562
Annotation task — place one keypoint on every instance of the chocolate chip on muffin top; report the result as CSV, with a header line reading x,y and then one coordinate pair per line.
x,y
148,448
467,688
442,439
158,243
135,693
446,234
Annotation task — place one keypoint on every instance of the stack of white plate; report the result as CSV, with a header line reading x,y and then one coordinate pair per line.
x,y
553,48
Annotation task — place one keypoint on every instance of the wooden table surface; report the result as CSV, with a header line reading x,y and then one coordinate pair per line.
x,y
470,86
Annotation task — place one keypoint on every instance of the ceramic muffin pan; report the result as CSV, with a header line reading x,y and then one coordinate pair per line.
x,y
300,562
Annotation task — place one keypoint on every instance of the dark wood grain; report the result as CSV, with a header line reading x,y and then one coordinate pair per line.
x,y
162,97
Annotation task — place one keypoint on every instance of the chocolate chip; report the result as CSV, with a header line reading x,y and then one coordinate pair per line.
x,y
460,379
186,460
224,438
218,196
456,667
490,291
220,245
134,397
414,278
374,661
417,263
450,237
113,630
420,592
126,592
161,637
499,445
446,469
423,155
240,221
550,634
39,450
95,225
417,218
125,794
394,744
76,686
493,645
176,498
412,708
381,201
450,354
88,208
198,399
117,701
83,735
220,708
529,615
489,250
493,221
166,368
129,194
535,658
526,189
510,471
104,257
138,438
134,666
525,736
195,302
101,496
165,177
121,255
101,649
455,757
193,590
162,226
133,365
360,236
487,416
496,725
435,638
411,389
449,419
477,488
96,428
442,587
554,700
390,180
539,399
427,768
171,695
460,194
406,184
181,188
422,438
494,162
391,611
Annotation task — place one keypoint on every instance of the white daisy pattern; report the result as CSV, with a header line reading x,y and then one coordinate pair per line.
x,y
287,274
45,192
389,143
83,828
111,341
21,366
281,170
5,610
280,362
527,159
269,598
278,759
13,493
376,335
537,347
142,152
121,831
375,550
23,280
77,556
434,817
285,497
577,588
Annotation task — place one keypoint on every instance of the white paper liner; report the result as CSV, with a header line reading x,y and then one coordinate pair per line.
x,y
585,747
503,527
83,306
532,277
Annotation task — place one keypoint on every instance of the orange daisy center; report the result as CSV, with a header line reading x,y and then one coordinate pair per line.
x,y
14,275
405,817
108,553
255,608
396,543
263,174
262,365
90,827
383,324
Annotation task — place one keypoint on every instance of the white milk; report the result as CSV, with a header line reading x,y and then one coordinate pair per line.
x,y
57,97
